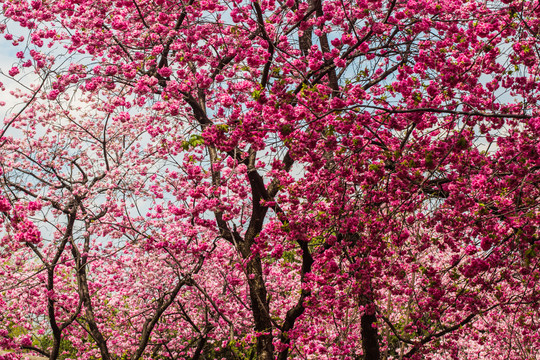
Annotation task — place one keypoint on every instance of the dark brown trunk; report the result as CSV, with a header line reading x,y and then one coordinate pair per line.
x,y
260,309
84,294
295,312
56,332
370,337
55,351
101,342
257,287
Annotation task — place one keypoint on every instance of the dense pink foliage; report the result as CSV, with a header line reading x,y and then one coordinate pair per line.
x,y
317,179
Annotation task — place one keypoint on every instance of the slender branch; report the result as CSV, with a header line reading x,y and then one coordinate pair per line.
x,y
35,349
448,111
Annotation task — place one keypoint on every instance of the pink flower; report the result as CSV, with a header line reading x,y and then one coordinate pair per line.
x,y
5,206
53,94
13,71
27,232
340,62
165,72
111,70
90,86
122,117
26,341
157,50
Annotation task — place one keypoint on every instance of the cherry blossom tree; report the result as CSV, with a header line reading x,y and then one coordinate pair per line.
x,y
272,179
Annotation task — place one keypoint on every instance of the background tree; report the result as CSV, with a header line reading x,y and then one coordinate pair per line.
x,y
358,177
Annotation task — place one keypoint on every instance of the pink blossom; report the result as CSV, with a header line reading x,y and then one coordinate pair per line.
x,y
13,71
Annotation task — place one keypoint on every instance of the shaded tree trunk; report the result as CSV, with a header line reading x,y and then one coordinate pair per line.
x,y
260,310
370,336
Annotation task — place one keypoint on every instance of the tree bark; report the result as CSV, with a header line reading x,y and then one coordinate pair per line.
x,y
260,309
370,336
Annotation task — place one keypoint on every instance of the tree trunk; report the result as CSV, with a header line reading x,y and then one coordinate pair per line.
x,y
370,338
260,309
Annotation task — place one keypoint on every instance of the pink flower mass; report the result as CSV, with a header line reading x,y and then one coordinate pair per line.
x,y
270,180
